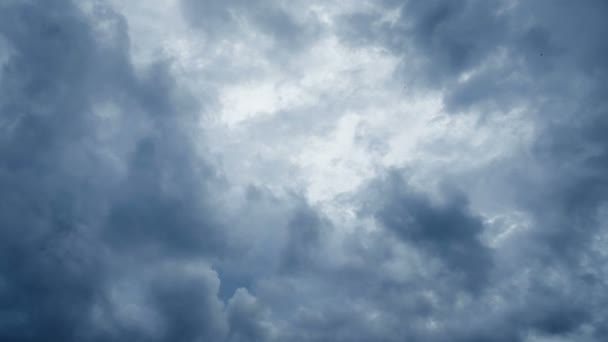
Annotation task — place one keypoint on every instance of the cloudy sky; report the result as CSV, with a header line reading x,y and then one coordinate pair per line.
x,y
303,170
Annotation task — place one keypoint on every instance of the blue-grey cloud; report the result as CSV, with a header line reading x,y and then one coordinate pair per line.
x,y
221,19
445,230
80,194
115,226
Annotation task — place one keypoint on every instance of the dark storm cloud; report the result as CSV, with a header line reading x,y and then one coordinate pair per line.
x,y
553,64
110,228
189,306
517,51
547,59
99,178
448,34
103,199
544,58
306,231
248,318
446,230
47,263
445,38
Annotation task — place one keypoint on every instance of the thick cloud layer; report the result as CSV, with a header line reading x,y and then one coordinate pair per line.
x,y
99,181
303,171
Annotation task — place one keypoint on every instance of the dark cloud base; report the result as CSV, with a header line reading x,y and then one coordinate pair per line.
x,y
111,228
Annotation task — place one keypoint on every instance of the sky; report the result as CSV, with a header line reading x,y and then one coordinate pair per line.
x,y
304,170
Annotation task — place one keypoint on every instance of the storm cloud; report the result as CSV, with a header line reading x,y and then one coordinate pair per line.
x,y
238,171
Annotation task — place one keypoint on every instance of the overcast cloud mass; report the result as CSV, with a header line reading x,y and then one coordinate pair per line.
x,y
306,170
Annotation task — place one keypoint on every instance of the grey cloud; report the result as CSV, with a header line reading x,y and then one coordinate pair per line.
x,y
549,51
248,318
522,49
111,227
165,301
443,37
223,19
449,35
555,72
306,229
189,305
446,230
82,190
542,56
48,261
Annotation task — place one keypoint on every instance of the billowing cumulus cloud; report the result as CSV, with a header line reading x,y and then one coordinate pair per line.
x,y
396,170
